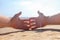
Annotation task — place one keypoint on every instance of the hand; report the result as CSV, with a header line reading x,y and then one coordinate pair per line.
x,y
18,14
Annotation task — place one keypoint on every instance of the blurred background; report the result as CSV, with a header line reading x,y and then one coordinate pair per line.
x,y
29,8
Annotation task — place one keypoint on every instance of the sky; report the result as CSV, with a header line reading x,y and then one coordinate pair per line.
x,y
29,8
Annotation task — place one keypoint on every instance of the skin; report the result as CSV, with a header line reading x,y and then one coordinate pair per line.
x,y
4,21
18,23
15,21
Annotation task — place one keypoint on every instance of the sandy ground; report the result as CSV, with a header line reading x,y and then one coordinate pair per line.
x,y
49,32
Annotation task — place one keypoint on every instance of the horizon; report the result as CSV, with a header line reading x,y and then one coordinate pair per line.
x,y
29,8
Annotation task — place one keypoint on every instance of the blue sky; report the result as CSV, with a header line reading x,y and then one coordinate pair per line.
x,y
29,8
